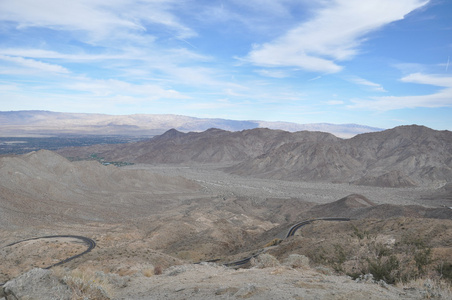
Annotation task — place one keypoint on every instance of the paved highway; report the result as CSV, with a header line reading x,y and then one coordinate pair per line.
x,y
297,226
290,233
91,244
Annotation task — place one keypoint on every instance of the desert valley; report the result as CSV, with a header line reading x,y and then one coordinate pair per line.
x,y
170,221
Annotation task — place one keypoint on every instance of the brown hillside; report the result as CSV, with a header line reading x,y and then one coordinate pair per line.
x,y
401,157
359,207
43,187
210,146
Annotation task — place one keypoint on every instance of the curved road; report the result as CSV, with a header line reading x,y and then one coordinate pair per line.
x,y
92,244
87,241
290,233
297,226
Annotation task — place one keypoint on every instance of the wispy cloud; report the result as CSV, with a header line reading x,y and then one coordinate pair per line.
x,y
100,19
333,34
442,98
335,102
34,64
111,87
361,81
272,73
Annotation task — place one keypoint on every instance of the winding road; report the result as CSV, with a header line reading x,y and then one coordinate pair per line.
x,y
91,244
290,233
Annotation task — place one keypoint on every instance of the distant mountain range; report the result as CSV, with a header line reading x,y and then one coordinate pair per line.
x,y
47,123
400,157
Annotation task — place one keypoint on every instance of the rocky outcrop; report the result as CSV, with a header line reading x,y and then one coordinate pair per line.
x,y
401,157
37,284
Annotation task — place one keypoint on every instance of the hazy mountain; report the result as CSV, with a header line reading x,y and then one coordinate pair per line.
x,y
403,156
45,123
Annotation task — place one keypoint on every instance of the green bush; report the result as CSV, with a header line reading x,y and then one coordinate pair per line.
x,y
385,268
445,271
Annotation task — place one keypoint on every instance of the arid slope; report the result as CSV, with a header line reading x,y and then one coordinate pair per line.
x,y
401,157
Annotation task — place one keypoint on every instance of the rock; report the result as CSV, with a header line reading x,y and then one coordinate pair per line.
x,y
37,284
246,291
264,261
366,278
297,261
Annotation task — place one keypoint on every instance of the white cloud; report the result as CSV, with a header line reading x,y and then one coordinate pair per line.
x,y
361,81
335,102
48,54
272,73
112,87
435,80
34,64
101,19
442,98
333,34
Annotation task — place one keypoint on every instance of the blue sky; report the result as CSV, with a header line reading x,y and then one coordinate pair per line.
x,y
381,63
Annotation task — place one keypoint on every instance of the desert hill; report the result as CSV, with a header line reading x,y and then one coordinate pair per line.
x,y
45,187
357,206
47,123
400,157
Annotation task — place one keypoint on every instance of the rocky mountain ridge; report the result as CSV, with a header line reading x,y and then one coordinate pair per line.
x,y
402,156
399,157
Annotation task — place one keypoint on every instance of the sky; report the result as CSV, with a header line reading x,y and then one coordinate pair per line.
x,y
381,63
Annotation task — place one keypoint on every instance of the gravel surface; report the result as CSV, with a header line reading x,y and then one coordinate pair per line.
x,y
216,282
216,181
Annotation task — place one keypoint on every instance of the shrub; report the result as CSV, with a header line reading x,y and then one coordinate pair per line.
x,y
158,270
384,268
445,271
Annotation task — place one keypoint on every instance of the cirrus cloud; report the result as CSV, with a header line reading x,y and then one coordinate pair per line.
x,y
101,19
333,34
442,98
34,65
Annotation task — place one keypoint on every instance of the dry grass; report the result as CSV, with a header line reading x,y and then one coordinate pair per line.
x,y
86,283
147,272
431,289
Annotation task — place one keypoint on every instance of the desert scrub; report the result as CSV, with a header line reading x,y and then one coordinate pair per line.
x,y
389,257
385,268
148,272
360,234
407,259
445,271
86,284
158,270
333,256
430,288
